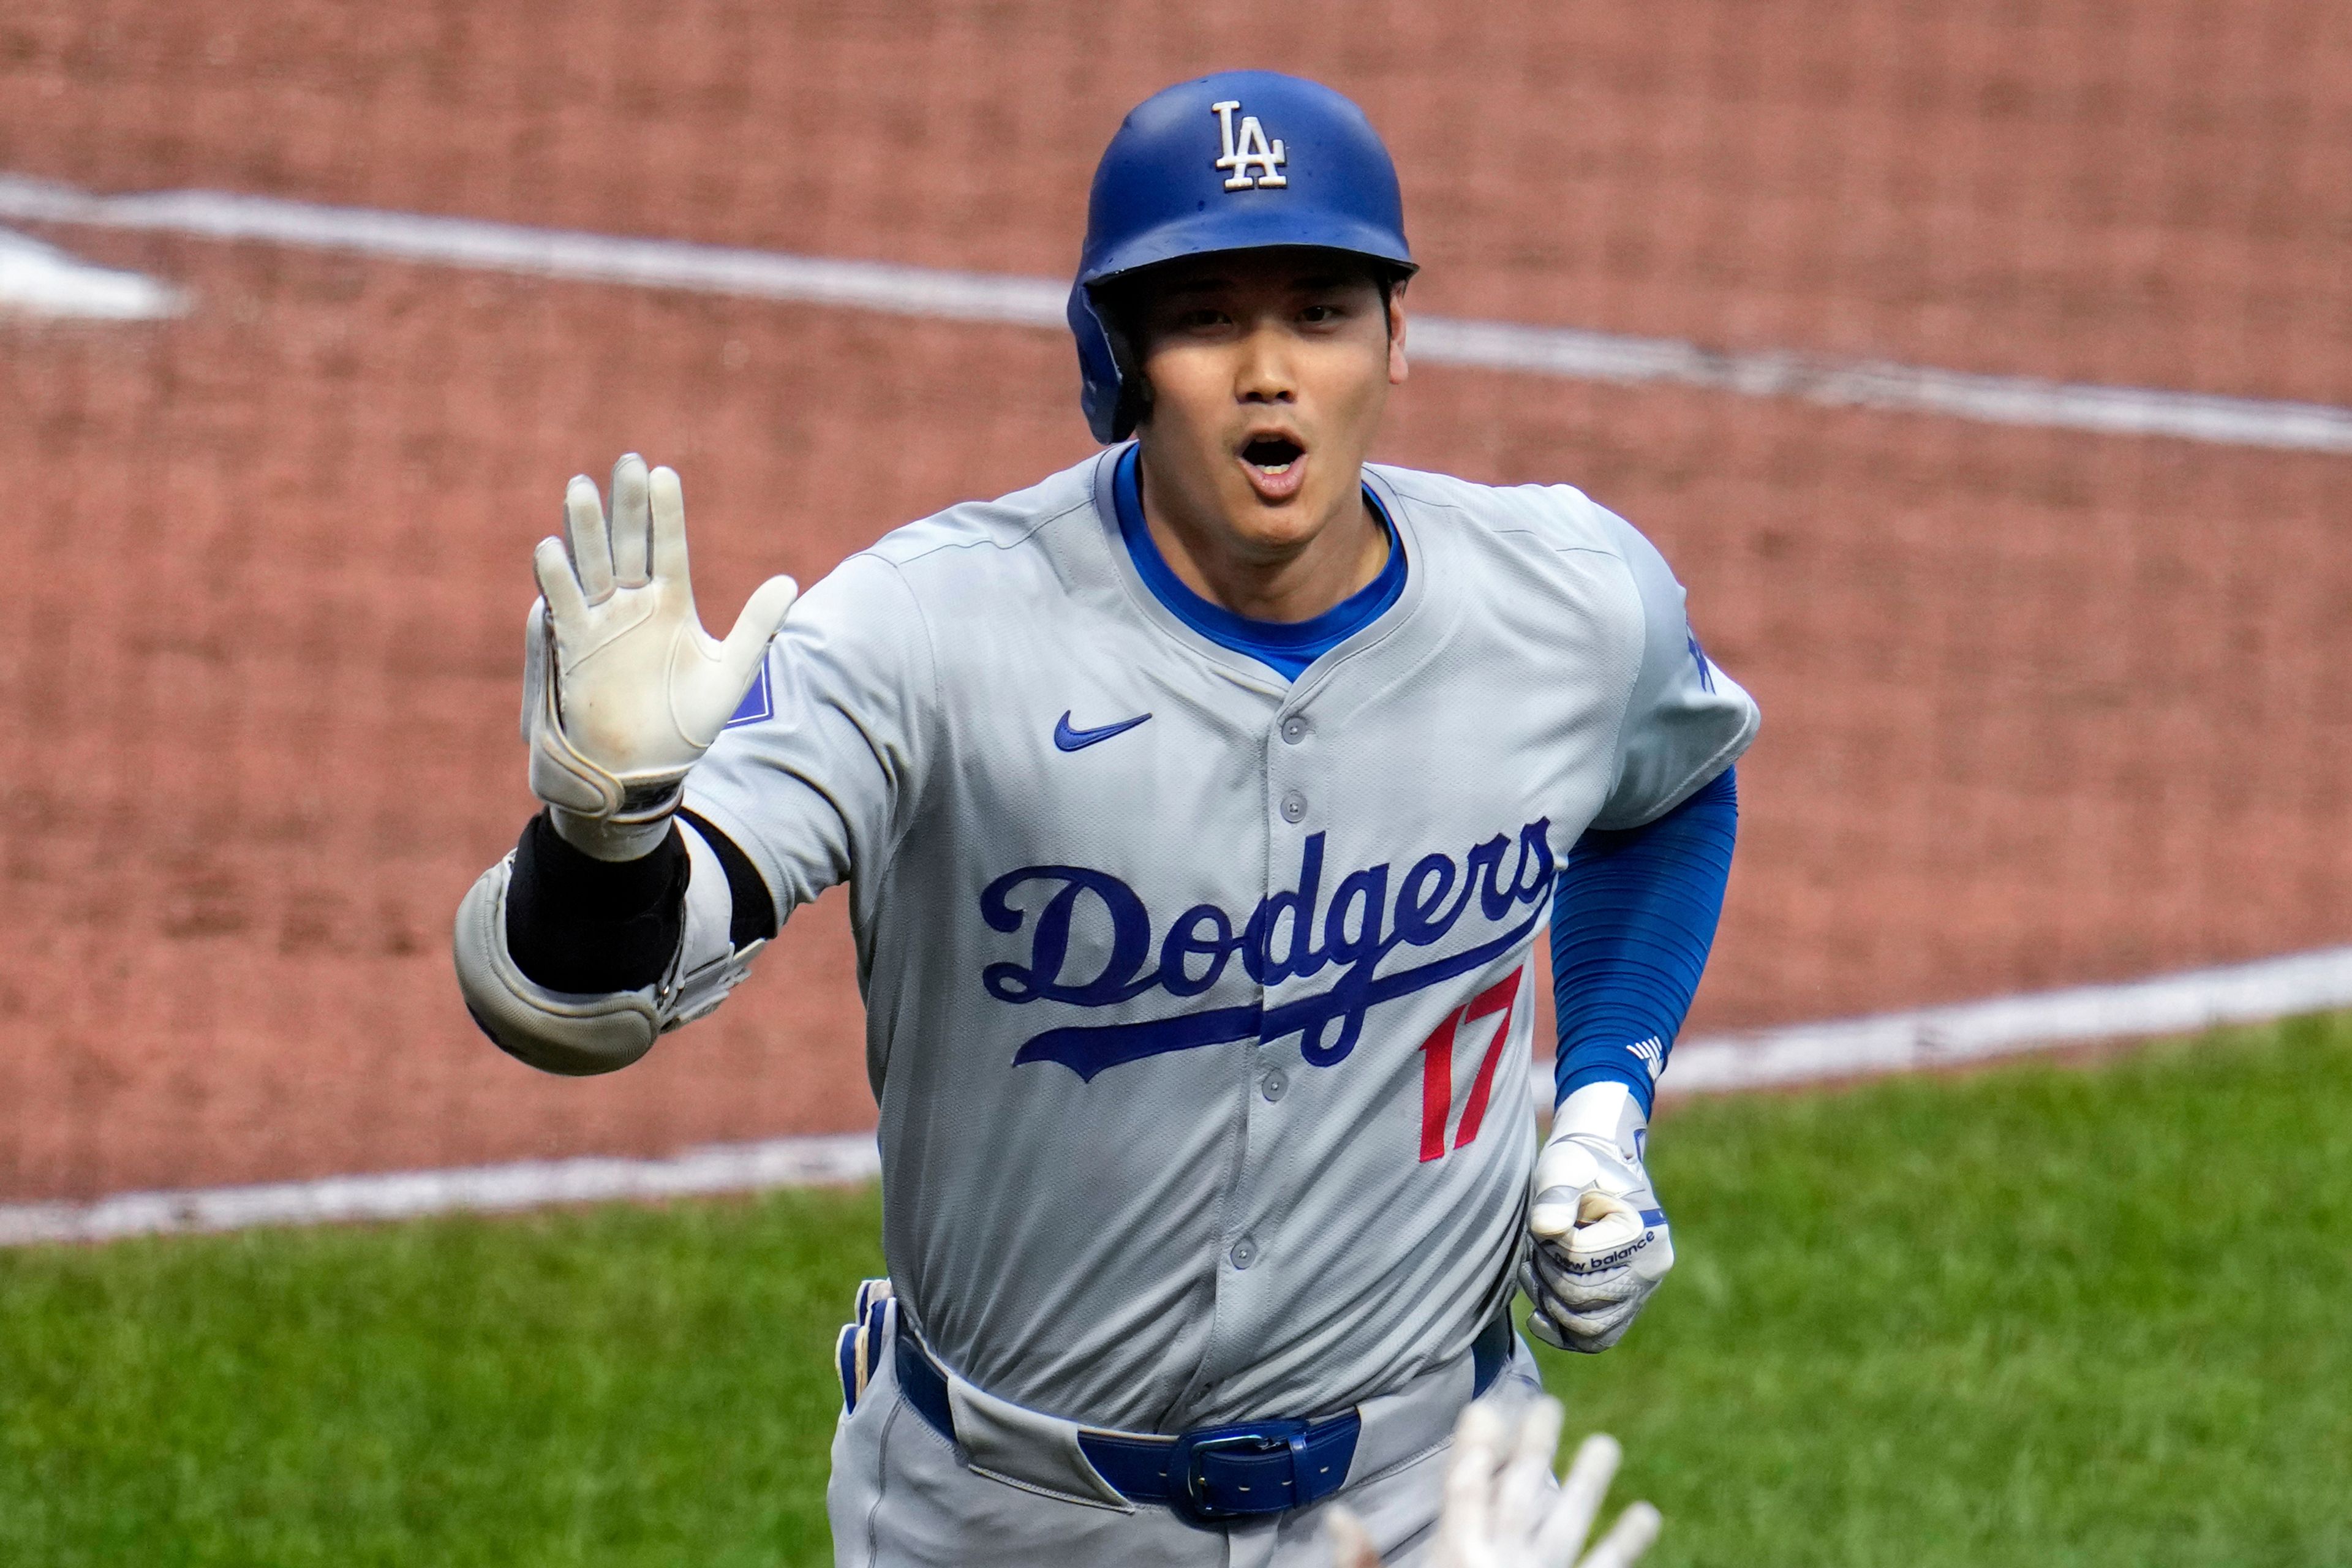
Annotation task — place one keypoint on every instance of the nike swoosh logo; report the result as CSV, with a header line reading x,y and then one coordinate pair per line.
x,y
1071,740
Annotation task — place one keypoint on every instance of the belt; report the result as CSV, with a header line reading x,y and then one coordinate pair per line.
x,y
1213,1473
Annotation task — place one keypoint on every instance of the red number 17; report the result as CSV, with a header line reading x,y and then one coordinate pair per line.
x,y
1437,1067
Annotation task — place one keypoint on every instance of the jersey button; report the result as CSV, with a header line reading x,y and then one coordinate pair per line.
x,y
1275,1086
1294,728
1294,806
1245,1253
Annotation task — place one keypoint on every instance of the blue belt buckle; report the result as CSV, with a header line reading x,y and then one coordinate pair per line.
x,y
1188,1480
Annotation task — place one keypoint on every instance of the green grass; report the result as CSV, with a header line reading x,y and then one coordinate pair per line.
x,y
621,1385
2040,1316
2036,1316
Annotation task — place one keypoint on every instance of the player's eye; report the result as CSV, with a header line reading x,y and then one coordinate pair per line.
x,y
1319,315
1198,317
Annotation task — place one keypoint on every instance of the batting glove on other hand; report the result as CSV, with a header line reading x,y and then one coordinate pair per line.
x,y
1599,1241
1502,1508
623,689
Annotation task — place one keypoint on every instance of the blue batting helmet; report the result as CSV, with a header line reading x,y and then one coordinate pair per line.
x,y
1238,161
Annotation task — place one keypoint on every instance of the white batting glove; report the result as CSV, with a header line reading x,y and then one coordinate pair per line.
x,y
1599,1241
1502,1508
623,689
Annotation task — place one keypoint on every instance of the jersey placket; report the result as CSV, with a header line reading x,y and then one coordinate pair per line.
x,y
1253,1274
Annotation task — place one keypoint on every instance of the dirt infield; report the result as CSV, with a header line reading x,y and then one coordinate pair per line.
x,y
2040,708
2149,192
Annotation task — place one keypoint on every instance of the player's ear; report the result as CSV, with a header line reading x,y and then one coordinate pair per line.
x,y
1394,296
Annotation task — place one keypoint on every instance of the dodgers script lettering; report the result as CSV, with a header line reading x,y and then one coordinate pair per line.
x,y
1366,921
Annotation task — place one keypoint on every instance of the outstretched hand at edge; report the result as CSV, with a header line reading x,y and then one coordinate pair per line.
x,y
1502,1508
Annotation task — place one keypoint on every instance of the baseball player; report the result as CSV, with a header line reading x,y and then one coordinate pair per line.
x,y
1199,808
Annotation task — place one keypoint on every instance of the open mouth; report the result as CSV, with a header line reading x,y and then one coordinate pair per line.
x,y
1272,455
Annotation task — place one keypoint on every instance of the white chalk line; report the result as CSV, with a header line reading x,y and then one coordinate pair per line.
x,y
477,1189
1804,1053
941,294
2181,1003
40,280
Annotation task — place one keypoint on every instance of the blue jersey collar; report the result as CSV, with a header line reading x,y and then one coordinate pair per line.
x,y
1289,646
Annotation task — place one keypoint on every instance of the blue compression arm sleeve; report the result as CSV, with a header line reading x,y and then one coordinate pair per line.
x,y
1632,922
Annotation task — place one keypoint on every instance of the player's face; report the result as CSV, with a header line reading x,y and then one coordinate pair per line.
x,y
1269,371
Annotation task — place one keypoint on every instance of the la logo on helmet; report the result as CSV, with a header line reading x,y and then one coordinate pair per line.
x,y
1251,150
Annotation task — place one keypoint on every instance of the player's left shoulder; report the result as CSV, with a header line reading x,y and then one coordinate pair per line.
x,y
1550,518
1549,549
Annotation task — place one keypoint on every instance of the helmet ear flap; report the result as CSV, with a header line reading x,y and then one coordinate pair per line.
x,y
1112,388
1098,371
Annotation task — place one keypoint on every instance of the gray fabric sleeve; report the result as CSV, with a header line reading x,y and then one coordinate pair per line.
x,y
1687,719
815,780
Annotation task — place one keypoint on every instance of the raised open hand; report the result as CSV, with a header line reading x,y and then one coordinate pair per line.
x,y
623,689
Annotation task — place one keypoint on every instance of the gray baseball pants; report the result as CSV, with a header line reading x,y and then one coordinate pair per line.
x,y
903,1496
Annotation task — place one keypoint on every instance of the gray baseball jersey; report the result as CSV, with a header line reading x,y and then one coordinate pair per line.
x,y
1198,1000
